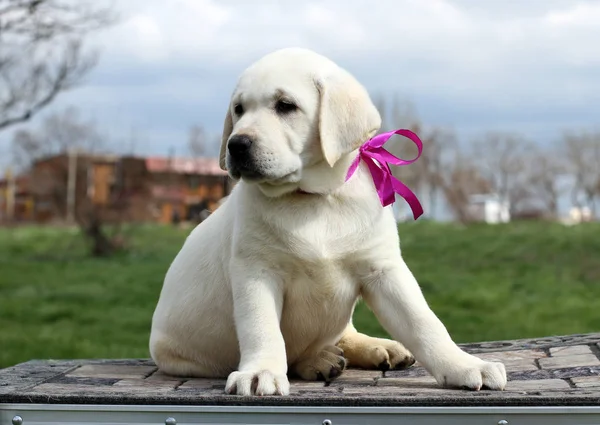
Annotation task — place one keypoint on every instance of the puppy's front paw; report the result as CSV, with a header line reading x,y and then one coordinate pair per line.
x,y
470,372
325,365
259,383
365,352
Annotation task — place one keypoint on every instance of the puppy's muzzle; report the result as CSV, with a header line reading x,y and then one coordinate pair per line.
x,y
241,160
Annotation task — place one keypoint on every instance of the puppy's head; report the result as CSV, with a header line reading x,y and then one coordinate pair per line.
x,y
293,118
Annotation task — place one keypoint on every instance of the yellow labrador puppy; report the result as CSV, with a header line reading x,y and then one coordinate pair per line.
x,y
266,286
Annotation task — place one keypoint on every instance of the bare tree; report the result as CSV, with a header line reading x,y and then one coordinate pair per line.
x,y
425,174
502,158
543,171
461,179
440,149
504,163
202,144
42,53
583,152
395,114
66,141
197,141
59,133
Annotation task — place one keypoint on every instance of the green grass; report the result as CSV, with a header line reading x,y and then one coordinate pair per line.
x,y
484,282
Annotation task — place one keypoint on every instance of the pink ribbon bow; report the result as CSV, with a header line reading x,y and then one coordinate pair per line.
x,y
378,160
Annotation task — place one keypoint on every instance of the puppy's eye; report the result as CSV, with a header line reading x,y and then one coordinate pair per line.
x,y
285,107
238,109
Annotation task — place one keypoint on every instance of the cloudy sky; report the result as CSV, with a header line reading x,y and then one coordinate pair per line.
x,y
528,66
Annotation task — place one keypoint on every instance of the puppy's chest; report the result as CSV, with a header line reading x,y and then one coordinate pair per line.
x,y
323,246
324,288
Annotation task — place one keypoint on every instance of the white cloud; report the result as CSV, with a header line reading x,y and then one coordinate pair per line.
x,y
471,63
438,31
581,15
147,41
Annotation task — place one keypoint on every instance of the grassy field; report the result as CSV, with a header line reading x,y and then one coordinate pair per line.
x,y
485,283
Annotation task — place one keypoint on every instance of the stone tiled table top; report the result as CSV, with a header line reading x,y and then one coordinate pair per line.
x,y
553,371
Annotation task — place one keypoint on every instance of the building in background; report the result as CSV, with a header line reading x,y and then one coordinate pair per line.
x,y
578,215
489,208
124,188
16,202
185,186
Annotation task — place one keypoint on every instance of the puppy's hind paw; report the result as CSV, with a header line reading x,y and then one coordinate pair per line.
x,y
365,352
325,365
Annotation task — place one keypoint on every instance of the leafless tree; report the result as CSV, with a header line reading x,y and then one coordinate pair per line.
x,y
544,170
397,114
424,176
504,163
59,133
461,179
65,136
583,152
440,150
502,157
42,52
197,141
201,143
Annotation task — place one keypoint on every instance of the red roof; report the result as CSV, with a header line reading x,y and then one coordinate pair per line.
x,y
164,192
201,166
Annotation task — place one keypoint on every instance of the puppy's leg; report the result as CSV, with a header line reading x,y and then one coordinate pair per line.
x,y
257,304
324,365
365,352
167,355
396,299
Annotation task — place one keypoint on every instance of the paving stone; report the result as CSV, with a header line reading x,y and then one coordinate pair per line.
x,y
300,384
571,376
318,391
421,382
361,374
570,351
203,384
391,391
515,360
82,380
356,377
411,372
587,382
57,390
112,371
511,355
562,373
344,381
569,361
143,383
567,397
531,343
158,376
537,385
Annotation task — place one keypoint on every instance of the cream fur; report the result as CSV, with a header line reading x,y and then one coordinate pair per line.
x,y
268,283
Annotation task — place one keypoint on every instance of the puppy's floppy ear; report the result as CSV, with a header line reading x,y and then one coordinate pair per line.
x,y
347,116
227,129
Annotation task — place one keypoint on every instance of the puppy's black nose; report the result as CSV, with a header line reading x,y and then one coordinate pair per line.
x,y
239,145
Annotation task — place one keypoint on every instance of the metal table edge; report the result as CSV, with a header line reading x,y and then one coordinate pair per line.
x,y
302,409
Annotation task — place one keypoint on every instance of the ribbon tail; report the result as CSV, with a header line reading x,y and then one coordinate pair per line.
x,y
412,200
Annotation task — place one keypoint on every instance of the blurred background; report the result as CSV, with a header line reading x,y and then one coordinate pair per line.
x,y
110,120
